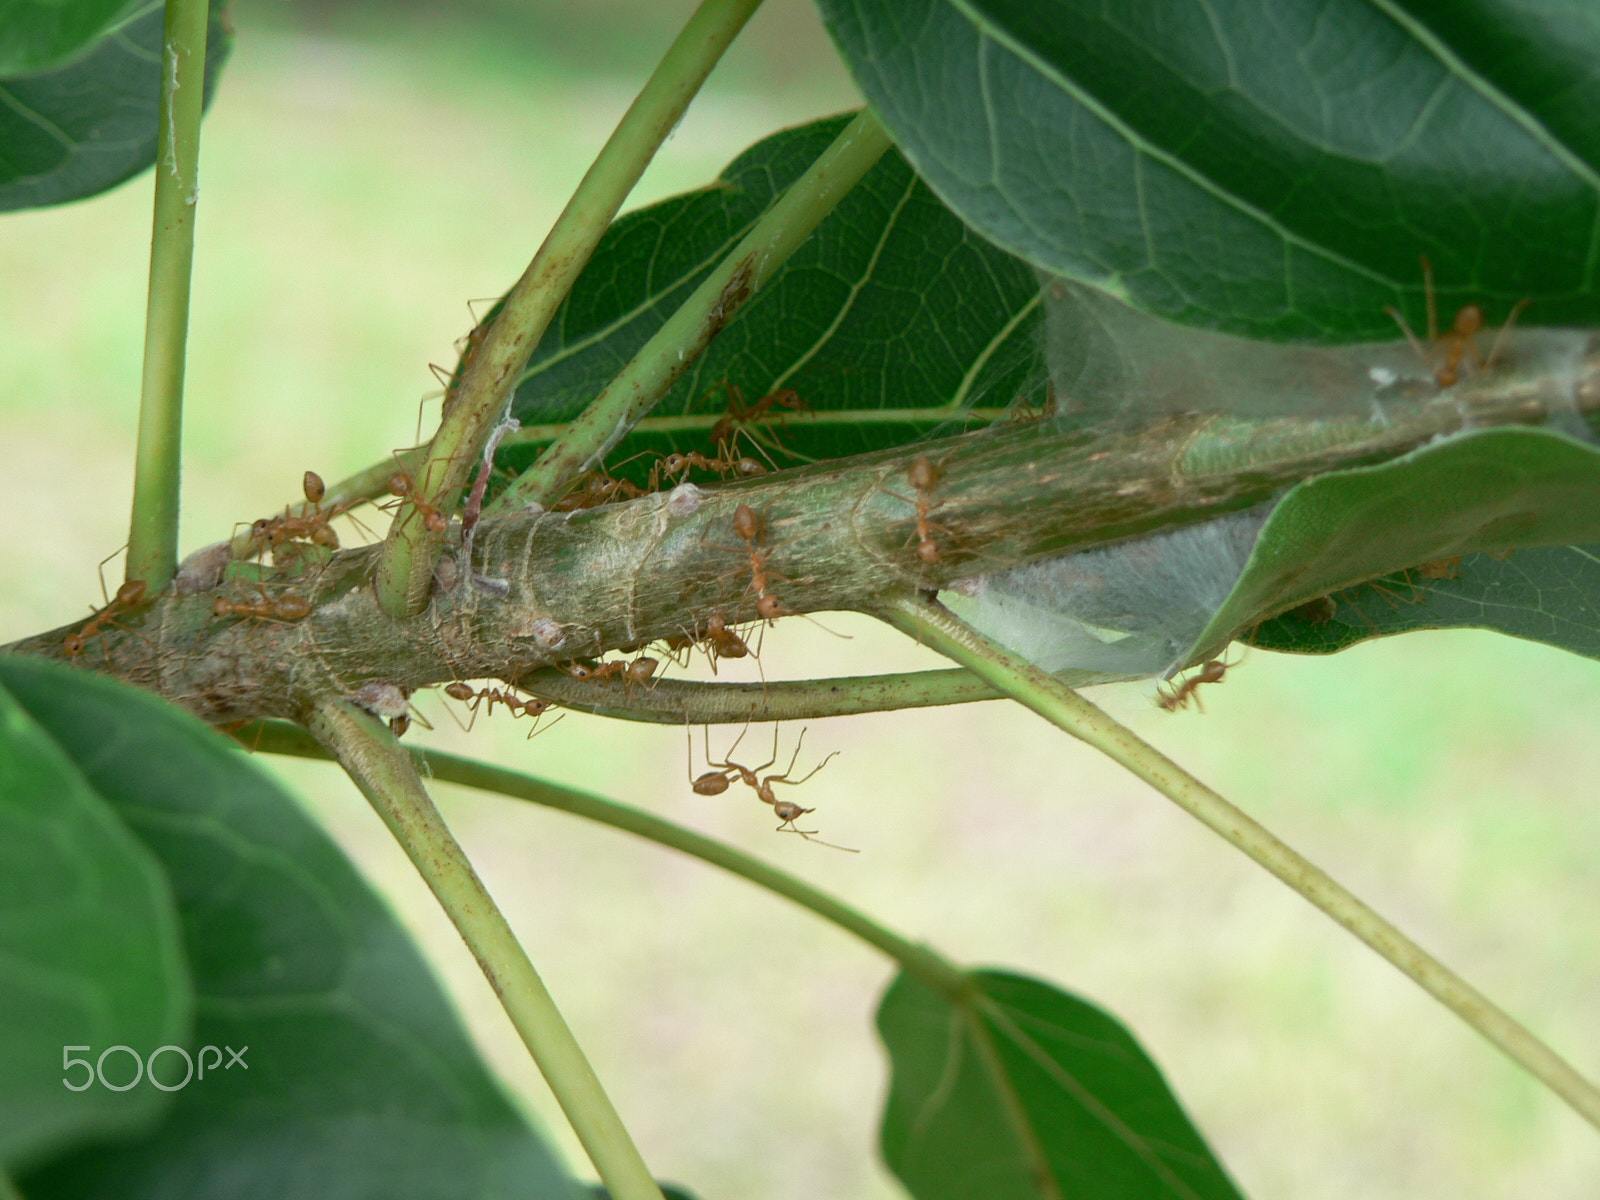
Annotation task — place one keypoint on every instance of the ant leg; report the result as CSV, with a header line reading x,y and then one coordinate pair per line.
x,y
1499,337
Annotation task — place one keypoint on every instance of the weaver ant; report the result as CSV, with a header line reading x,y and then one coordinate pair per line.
x,y
473,697
287,607
128,596
675,466
924,476
1442,568
1459,342
402,485
750,528
739,414
1178,696
717,781
594,489
306,526
639,670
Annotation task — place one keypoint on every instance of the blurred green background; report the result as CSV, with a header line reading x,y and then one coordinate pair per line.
x,y
367,170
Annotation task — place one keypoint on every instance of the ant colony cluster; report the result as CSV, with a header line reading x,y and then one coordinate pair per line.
x,y
1135,609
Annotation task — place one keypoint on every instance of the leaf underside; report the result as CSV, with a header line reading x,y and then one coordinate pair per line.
x,y
1029,1092
87,126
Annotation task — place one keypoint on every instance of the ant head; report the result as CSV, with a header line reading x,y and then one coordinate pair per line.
x,y
1469,320
789,812
769,608
928,551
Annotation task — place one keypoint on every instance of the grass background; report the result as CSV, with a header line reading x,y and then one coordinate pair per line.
x,y
365,171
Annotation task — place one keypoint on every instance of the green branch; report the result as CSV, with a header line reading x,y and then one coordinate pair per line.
x,y
153,528
691,702
934,625
387,776
679,342
486,384
281,737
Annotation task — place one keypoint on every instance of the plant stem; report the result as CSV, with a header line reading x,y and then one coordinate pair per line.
x,y
385,773
485,388
676,345
686,701
934,625
281,737
153,529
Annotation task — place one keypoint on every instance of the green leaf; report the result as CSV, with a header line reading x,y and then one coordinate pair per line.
x,y
1489,490
1544,594
358,1080
891,321
36,34
1029,1092
91,954
1271,170
87,126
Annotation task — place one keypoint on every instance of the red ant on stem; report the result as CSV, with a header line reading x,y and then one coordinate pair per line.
x,y
473,697
1459,342
287,607
675,466
402,485
750,529
129,595
309,526
740,414
717,780
719,641
639,670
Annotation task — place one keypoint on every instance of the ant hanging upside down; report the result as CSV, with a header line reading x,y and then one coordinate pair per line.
x,y
716,781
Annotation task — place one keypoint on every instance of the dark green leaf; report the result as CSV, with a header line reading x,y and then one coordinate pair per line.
x,y
1545,594
91,953
358,1080
893,319
36,34
1029,1093
1274,170
87,126
1491,490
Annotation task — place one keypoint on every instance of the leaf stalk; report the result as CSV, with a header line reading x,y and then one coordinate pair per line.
x,y
935,626
153,527
387,776
485,388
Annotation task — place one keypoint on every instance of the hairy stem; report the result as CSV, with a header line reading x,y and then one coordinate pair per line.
x,y
387,776
153,528
281,737
485,387
934,625
676,345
